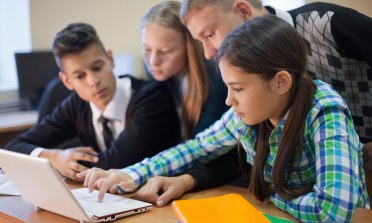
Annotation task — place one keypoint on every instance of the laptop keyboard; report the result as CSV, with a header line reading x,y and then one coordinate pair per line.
x,y
90,204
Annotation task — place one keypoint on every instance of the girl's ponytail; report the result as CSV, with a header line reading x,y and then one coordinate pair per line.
x,y
265,46
291,146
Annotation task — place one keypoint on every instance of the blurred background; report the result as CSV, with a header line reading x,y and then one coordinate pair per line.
x,y
30,25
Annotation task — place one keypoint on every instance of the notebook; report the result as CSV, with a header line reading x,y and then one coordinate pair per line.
x,y
226,208
7,187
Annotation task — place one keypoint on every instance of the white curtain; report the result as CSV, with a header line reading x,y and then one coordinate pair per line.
x,y
15,36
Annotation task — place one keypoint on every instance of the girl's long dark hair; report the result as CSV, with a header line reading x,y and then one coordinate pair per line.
x,y
265,46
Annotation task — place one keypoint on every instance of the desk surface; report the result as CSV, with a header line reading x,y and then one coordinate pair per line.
x,y
15,121
15,209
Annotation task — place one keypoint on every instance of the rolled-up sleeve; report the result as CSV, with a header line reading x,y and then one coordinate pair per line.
x,y
218,139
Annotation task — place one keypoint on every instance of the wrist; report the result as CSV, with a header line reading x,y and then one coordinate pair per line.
x,y
48,153
188,181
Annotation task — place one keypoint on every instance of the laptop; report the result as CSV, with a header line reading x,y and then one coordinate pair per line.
x,y
41,185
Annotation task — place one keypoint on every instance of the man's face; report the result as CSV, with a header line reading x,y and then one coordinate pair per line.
x,y
211,25
90,74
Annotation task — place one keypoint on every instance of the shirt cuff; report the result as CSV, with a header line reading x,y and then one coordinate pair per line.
x,y
271,199
137,175
36,152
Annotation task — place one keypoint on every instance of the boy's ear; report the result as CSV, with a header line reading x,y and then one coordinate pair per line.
x,y
244,9
65,80
282,82
111,58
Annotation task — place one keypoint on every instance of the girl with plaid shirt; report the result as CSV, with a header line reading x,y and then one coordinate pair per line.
x,y
298,133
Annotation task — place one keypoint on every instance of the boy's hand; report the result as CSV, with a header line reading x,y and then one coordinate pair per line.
x,y
107,179
172,188
367,156
66,161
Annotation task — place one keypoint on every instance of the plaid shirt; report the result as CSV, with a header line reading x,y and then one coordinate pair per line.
x,y
332,157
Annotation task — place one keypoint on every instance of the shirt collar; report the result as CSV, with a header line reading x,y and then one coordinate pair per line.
x,y
282,122
281,14
116,108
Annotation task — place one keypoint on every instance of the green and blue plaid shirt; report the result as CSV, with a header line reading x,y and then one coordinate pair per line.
x,y
332,158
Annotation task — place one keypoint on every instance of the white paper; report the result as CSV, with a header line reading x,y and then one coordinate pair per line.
x,y
9,189
3,179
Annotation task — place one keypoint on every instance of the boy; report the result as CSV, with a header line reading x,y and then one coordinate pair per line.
x,y
120,121
339,52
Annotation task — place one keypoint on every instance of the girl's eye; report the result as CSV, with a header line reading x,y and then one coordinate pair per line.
x,y
237,89
147,50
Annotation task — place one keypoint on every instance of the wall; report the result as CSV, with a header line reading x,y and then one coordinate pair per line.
x,y
362,6
116,21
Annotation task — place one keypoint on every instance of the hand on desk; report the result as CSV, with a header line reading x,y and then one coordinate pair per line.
x,y
367,156
172,188
106,180
66,161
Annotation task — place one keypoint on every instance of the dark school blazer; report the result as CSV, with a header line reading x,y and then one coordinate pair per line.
x,y
151,126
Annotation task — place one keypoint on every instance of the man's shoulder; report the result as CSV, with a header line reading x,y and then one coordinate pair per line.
x,y
316,6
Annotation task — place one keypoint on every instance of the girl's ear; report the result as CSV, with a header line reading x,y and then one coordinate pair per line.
x,y
282,82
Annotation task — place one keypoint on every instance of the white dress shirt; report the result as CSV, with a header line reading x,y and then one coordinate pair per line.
x,y
115,112
283,15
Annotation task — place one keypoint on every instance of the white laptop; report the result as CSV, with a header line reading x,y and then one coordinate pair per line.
x,y
41,185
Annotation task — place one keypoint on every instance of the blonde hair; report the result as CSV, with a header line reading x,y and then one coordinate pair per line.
x,y
195,78
192,6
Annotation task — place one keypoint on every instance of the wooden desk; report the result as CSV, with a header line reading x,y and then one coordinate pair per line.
x,y
14,124
15,121
15,209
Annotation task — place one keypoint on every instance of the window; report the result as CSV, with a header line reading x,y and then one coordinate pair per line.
x,y
15,36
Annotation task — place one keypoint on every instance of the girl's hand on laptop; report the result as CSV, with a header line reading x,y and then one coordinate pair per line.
x,y
172,188
113,189
110,178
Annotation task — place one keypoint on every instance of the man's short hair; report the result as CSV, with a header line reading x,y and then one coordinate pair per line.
x,y
192,6
73,39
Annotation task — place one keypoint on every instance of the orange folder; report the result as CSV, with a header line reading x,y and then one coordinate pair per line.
x,y
227,208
